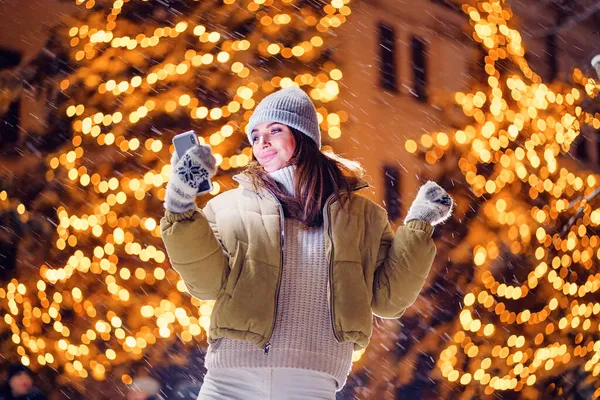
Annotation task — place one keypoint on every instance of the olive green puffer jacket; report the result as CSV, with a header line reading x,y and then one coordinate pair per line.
x,y
232,252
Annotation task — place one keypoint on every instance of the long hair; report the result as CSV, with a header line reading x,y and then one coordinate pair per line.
x,y
318,176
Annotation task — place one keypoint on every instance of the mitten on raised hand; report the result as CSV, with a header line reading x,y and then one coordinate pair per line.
x,y
190,176
432,205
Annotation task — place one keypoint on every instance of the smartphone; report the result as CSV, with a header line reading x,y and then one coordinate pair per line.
x,y
183,142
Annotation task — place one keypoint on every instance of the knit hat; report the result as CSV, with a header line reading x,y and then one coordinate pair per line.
x,y
290,106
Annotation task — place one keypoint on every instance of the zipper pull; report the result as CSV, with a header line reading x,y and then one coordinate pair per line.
x,y
267,348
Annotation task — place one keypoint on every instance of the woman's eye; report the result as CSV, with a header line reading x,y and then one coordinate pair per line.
x,y
276,130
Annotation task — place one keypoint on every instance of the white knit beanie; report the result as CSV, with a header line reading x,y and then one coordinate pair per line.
x,y
290,106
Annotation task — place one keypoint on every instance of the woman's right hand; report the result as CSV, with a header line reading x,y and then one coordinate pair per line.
x,y
190,176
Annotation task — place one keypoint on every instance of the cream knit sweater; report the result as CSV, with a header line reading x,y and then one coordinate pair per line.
x,y
303,335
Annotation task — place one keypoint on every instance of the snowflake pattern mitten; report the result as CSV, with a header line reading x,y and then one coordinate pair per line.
x,y
190,176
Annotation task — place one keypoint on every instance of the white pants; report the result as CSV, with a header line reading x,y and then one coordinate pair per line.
x,y
266,384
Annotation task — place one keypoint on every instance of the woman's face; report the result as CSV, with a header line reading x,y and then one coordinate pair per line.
x,y
20,384
273,145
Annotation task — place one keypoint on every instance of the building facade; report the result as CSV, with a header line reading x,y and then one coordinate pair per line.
x,y
404,60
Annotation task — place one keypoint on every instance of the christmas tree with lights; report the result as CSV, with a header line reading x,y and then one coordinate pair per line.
x,y
511,308
91,293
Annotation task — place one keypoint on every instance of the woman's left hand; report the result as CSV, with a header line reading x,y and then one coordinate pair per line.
x,y
432,205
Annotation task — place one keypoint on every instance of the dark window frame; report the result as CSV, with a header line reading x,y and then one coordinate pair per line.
x,y
10,120
551,50
388,68
419,68
9,58
392,178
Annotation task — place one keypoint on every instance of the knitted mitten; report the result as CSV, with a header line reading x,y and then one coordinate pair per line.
x,y
432,205
190,176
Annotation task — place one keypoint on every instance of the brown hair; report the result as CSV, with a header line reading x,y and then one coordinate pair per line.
x,y
318,175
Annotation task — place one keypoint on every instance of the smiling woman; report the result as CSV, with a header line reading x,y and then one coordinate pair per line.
x,y
297,262
289,165
273,145
286,140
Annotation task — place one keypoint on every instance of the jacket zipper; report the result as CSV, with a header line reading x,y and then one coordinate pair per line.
x,y
330,278
267,347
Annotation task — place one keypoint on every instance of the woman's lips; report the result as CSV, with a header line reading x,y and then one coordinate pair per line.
x,y
266,157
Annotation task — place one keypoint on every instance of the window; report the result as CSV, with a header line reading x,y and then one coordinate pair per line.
x,y
9,121
387,56
9,58
391,176
450,5
9,124
419,67
551,57
581,147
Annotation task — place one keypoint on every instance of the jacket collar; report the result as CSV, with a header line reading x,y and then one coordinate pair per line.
x,y
246,182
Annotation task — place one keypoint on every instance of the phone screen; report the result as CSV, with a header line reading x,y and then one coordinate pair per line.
x,y
183,142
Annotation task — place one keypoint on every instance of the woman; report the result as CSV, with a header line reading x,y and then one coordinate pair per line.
x,y
297,262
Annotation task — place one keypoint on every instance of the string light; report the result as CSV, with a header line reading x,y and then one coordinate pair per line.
x,y
521,127
104,231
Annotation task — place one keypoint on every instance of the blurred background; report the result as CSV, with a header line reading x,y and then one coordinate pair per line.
x,y
495,100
